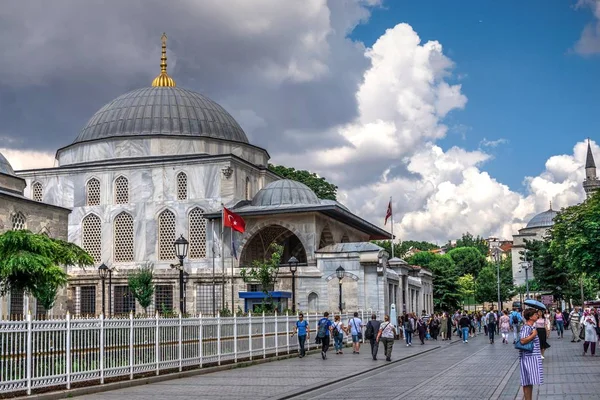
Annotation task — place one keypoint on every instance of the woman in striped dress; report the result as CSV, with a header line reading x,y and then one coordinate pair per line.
x,y
532,372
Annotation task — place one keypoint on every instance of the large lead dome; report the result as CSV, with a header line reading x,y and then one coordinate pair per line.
x,y
162,110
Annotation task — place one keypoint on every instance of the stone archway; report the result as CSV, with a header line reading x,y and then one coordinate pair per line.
x,y
326,237
257,247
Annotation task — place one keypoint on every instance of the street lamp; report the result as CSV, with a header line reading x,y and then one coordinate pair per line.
x,y
110,271
526,265
497,255
293,263
339,272
103,273
181,249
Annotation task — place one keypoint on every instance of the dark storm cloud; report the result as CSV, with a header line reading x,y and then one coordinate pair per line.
x,y
288,64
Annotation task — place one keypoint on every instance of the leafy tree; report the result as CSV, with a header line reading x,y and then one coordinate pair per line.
x,y
575,237
446,294
550,278
466,287
486,289
423,259
35,263
478,242
265,273
141,285
319,185
468,260
401,249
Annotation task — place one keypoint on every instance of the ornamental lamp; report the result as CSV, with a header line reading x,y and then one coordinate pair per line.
x,y
181,247
103,271
293,263
339,272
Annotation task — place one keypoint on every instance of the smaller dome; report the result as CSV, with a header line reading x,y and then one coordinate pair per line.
x,y
285,192
5,167
542,220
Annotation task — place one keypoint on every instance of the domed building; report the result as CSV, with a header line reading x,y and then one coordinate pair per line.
x,y
160,162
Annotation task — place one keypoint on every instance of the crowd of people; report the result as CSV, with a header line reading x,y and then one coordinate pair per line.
x,y
531,327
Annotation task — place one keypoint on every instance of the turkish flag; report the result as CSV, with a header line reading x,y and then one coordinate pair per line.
x,y
233,221
388,213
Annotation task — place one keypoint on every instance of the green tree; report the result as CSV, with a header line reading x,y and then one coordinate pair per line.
x,y
468,260
142,285
486,286
265,273
319,185
401,249
575,237
446,296
466,288
35,263
422,259
550,277
478,242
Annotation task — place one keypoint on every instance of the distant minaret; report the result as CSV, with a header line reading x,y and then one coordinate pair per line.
x,y
591,182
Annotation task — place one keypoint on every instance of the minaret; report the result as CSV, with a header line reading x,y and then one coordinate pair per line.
x,y
591,182
163,79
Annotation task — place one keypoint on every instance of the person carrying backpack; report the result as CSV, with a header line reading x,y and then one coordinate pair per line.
x,y
323,328
515,320
492,319
371,335
302,328
409,328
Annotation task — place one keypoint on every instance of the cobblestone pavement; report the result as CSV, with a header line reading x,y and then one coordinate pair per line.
x,y
476,370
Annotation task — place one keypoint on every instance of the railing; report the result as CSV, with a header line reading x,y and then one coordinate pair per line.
x,y
61,352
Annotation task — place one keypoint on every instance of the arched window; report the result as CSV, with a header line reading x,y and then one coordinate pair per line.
x,y
121,190
37,191
197,233
345,239
92,192
182,191
247,188
18,221
92,236
123,238
313,302
166,235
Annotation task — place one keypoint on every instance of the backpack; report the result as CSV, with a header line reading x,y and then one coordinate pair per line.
x,y
370,331
322,332
491,318
515,319
408,326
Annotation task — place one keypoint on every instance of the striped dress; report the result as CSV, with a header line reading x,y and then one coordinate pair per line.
x,y
532,372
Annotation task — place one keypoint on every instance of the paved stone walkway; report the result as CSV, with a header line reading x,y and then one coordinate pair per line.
x,y
476,370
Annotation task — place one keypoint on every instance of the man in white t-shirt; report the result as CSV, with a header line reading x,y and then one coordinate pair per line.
x,y
355,324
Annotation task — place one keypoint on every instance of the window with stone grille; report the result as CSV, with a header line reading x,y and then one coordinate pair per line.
x,y
247,188
204,298
124,300
123,238
91,236
87,300
121,190
197,224
18,221
40,310
182,191
166,235
163,299
37,191
92,192
17,304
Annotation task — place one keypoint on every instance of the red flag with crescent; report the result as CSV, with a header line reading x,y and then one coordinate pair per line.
x,y
388,213
233,221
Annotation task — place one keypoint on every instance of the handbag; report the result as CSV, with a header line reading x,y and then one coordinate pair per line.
x,y
582,332
523,347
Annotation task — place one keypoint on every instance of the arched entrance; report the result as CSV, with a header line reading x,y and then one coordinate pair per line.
x,y
259,246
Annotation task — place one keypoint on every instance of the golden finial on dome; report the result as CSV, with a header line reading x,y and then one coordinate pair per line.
x,y
163,79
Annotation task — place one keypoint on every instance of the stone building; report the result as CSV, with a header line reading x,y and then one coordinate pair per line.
x,y
159,162
20,212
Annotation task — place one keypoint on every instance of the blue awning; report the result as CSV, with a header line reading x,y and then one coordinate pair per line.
x,y
262,295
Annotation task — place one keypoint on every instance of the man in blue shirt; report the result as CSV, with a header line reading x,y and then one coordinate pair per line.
x,y
323,328
515,320
303,330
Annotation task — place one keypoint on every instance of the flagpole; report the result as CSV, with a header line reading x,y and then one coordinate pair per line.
x,y
222,258
392,208
232,265
214,237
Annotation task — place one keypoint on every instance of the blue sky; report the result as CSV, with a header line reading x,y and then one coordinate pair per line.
x,y
515,62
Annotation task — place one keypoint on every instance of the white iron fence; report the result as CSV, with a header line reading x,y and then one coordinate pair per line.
x,y
61,352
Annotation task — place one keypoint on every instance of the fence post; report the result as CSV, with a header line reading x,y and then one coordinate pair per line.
x,y
102,348
219,338
234,337
287,330
307,344
131,347
68,350
200,339
276,335
156,344
250,333
264,336
180,347
29,351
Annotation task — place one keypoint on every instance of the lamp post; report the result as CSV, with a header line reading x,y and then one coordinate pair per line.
x,y
103,273
339,272
293,263
497,256
181,249
110,271
526,265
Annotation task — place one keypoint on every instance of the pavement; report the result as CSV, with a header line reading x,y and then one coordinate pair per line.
x,y
442,369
